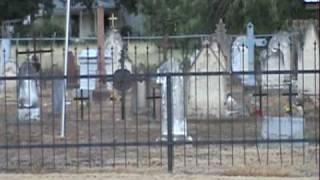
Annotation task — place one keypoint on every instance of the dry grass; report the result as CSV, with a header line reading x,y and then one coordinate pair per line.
x,y
258,171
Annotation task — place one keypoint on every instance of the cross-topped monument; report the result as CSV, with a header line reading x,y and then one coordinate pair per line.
x,y
251,41
112,19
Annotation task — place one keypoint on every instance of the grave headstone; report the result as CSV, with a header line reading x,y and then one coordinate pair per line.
x,y
179,122
72,71
5,49
278,58
57,97
250,41
88,61
10,71
240,56
209,59
139,99
308,83
28,99
285,127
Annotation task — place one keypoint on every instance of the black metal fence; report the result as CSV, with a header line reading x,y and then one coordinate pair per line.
x,y
273,121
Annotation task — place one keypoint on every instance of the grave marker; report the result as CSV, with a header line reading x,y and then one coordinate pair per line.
x,y
250,42
28,98
179,123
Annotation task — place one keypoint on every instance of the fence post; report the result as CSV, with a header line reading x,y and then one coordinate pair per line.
x,y
169,124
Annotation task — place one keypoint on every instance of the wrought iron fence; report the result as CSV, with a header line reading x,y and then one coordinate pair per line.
x,y
135,117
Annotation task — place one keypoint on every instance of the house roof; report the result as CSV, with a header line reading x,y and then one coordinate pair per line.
x,y
60,6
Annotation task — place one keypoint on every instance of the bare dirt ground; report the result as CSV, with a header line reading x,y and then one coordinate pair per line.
x,y
143,176
146,161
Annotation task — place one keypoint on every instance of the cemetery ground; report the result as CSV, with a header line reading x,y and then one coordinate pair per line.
x,y
101,123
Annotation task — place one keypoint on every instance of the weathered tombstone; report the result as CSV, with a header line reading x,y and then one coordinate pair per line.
x,y
250,41
72,72
5,49
209,59
139,99
308,83
278,58
28,99
10,71
88,61
179,123
285,127
58,85
240,57
1,74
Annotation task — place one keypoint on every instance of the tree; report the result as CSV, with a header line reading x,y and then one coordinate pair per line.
x,y
266,15
17,9
200,16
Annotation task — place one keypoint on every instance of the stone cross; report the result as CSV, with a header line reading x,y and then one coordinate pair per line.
x,y
112,19
251,41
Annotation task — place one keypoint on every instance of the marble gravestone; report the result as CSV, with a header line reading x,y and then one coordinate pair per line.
x,y
246,45
1,74
58,85
10,71
240,57
209,59
179,123
5,49
308,83
28,98
285,127
89,64
139,96
278,58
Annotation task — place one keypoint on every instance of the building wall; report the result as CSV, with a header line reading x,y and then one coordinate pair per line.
x,y
86,25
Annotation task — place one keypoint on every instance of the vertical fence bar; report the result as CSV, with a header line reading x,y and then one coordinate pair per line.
x,y
220,110
5,110
208,104
315,100
169,124
303,108
136,104
17,119
52,111
279,103
148,93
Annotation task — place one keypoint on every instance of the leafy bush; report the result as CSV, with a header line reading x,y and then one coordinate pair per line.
x,y
42,27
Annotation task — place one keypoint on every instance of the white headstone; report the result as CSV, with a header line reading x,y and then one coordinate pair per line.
x,y
139,99
240,57
278,59
28,99
282,127
308,83
179,122
217,85
88,61
10,71
5,49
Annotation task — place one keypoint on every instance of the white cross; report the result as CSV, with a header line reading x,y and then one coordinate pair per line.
x,y
112,19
